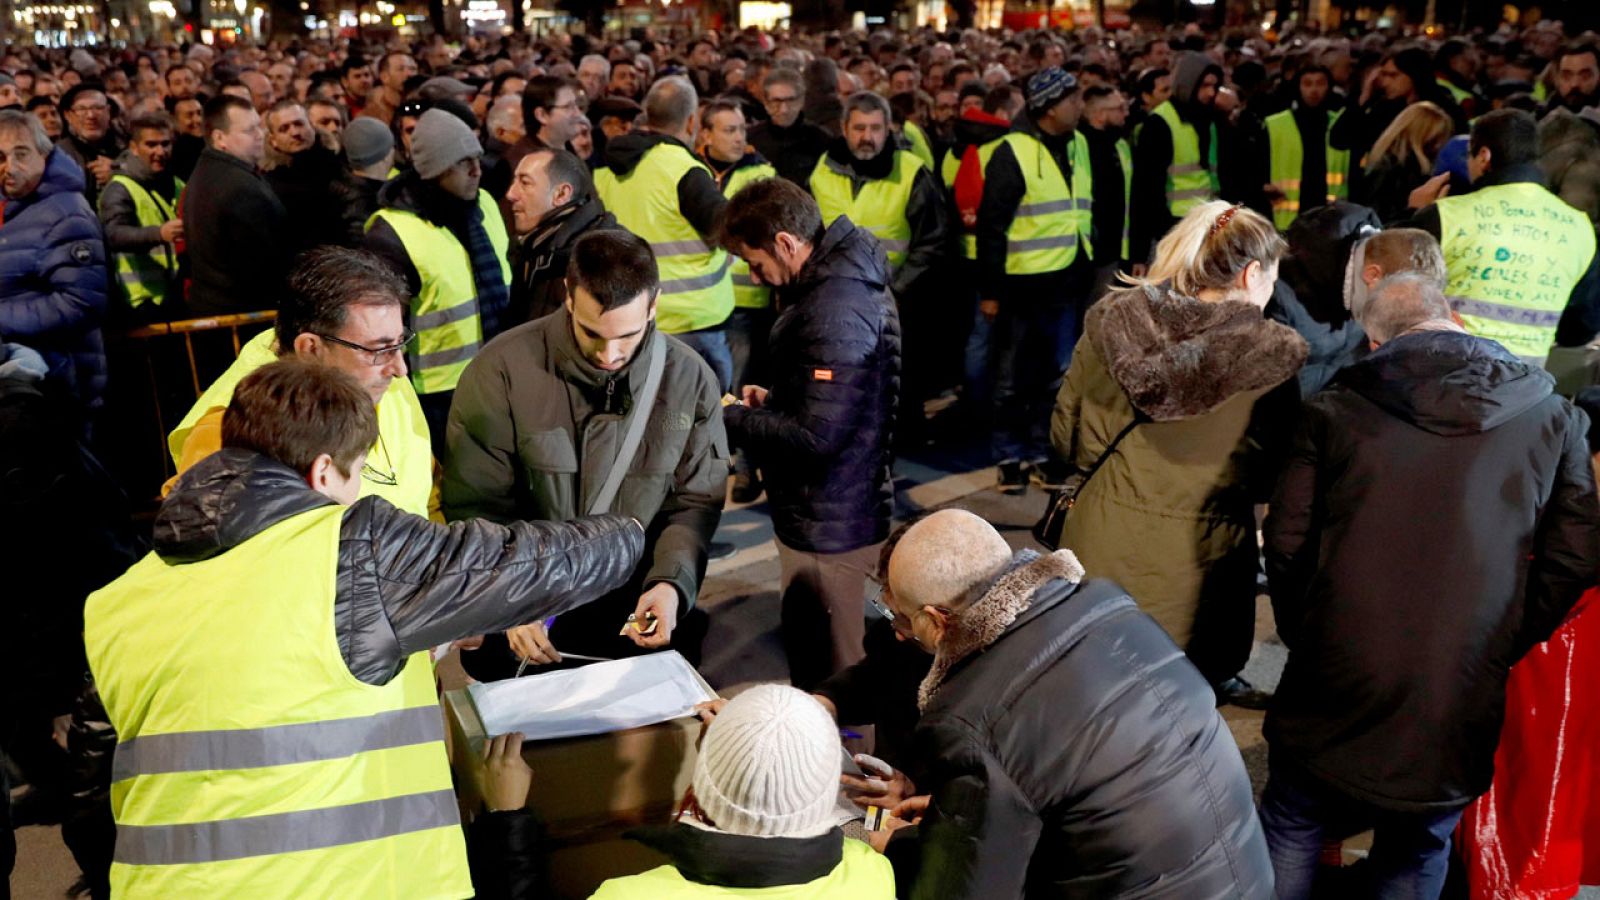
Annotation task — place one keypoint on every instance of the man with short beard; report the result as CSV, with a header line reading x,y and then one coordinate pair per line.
x,y
301,168
1577,79
890,193
189,133
138,209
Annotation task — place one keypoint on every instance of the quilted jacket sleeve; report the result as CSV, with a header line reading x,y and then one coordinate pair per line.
x,y
68,293
407,584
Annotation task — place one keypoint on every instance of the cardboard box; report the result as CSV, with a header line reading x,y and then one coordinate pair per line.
x,y
588,790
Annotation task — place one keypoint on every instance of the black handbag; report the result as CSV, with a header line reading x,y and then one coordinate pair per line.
x,y
1050,526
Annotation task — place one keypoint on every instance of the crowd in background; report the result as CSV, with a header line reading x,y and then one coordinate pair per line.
x,y
1095,249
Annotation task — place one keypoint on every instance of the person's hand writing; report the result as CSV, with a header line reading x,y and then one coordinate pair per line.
x,y
874,789
989,308
1431,190
506,776
662,599
753,396
532,643
172,231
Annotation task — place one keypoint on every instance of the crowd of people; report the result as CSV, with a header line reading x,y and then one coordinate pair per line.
x,y
542,306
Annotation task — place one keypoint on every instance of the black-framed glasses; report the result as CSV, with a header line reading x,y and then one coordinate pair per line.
x,y
388,476
376,356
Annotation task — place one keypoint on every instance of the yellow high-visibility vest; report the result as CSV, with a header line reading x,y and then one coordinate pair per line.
x,y
1288,162
1053,220
696,287
146,276
746,293
1189,182
250,762
444,314
880,207
1513,253
399,467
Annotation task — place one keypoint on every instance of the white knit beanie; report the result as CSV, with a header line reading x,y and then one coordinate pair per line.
x,y
769,765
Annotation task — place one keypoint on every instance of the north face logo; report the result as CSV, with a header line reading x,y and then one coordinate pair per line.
x,y
674,421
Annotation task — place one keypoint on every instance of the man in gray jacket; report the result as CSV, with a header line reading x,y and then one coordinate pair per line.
x,y
544,425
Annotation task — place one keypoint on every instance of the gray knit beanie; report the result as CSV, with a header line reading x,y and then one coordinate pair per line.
x,y
440,141
366,141
769,765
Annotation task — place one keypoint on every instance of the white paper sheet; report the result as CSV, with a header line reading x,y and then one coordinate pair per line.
x,y
592,699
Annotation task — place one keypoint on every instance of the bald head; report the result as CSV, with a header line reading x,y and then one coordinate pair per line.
x,y
670,105
940,559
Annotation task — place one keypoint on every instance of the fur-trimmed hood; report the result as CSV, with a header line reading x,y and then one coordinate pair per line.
x,y
981,624
1177,357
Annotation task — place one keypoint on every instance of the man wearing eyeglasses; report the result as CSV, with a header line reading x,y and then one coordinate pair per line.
x,y
344,309
89,138
792,144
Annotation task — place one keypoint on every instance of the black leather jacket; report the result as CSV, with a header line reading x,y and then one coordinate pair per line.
x,y
404,584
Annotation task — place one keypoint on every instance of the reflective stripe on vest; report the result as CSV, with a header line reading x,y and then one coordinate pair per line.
x,y
696,290
746,293
1513,253
1288,162
248,754
399,469
444,314
1052,221
146,276
1125,157
880,205
1189,183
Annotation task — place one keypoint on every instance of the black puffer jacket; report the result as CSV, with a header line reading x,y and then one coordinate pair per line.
x,y
405,584
823,438
1074,752
1437,519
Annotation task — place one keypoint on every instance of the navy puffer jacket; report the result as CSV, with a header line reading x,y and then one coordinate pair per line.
x,y
822,439
53,278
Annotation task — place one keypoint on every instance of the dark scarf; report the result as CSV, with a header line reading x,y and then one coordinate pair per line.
x,y
876,168
487,276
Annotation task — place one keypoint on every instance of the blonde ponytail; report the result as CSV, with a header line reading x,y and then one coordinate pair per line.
x,y
1210,247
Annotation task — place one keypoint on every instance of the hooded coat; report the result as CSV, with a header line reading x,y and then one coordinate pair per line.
x,y
1071,751
1151,213
53,279
1310,294
1437,519
823,437
1169,516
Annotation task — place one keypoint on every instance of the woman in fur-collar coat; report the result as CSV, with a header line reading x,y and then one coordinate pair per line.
x,y
1209,387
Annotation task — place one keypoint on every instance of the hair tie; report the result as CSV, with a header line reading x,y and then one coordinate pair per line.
x,y
1225,218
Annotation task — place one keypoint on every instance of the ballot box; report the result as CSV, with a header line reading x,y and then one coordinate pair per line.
x,y
587,789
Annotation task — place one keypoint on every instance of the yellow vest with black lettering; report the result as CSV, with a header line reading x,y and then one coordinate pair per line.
x,y
862,874
696,287
399,467
1513,253
1288,161
1189,182
1053,220
444,314
250,762
146,276
880,206
746,293
918,139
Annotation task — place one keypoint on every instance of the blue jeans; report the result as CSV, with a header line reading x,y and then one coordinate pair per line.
x,y
1030,346
1410,851
712,345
